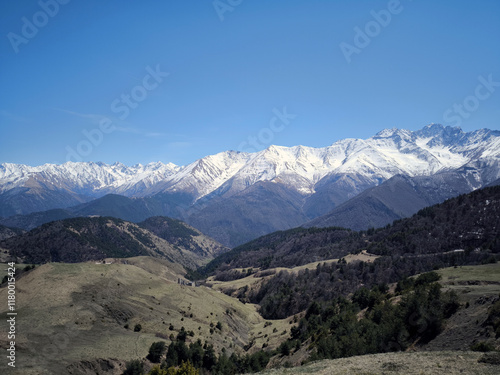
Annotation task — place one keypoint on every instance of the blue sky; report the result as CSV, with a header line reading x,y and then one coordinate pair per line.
x,y
142,81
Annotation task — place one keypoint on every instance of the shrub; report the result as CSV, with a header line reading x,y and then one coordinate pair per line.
x,y
182,335
186,368
157,370
284,348
427,278
482,346
490,358
135,367
156,350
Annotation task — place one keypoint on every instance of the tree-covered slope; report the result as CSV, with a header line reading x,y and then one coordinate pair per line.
x,y
468,222
94,238
464,230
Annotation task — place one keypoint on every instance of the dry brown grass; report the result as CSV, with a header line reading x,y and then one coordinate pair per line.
x,y
415,363
73,312
472,281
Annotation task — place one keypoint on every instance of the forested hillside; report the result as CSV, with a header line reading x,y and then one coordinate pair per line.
x,y
95,238
460,231
465,222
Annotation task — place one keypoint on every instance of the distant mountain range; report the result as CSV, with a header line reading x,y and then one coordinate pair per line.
x,y
236,196
394,199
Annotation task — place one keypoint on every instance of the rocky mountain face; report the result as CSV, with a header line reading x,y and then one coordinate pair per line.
x,y
236,196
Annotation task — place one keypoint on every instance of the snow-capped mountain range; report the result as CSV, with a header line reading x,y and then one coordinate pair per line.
x,y
236,196
390,152
84,177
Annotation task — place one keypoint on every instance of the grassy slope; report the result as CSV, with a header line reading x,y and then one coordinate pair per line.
x,y
416,363
73,312
472,281
478,288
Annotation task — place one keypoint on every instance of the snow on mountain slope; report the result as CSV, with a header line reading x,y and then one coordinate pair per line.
x,y
388,153
83,178
392,151
204,175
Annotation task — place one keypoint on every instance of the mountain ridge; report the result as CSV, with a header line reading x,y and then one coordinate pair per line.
x,y
422,157
95,238
293,185
398,197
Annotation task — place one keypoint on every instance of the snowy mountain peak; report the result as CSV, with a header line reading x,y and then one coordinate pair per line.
x,y
393,151
438,130
386,133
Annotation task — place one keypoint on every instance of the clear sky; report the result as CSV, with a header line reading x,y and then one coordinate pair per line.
x,y
173,81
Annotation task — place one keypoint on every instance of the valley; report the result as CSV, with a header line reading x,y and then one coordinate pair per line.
x,y
404,269
234,187
76,314
81,318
